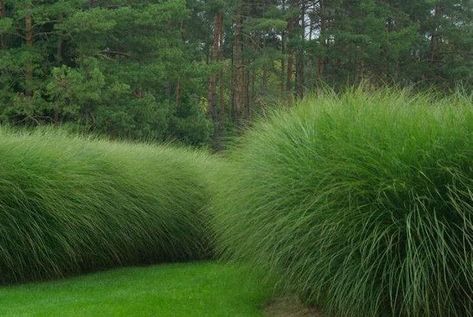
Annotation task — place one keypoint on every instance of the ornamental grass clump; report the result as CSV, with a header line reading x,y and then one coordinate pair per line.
x,y
71,204
361,203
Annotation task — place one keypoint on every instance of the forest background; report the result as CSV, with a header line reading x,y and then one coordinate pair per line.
x,y
198,71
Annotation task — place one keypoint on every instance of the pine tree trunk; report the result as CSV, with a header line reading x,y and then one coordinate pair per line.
x,y
283,55
289,75
291,34
300,53
434,39
221,77
29,45
311,76
321,59
283,63
239,85
222,97
300,75
214,56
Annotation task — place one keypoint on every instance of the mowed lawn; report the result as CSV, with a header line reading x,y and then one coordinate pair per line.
x,y
195,289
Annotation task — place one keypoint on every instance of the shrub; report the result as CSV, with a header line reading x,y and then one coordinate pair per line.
x,y
70,204
361,203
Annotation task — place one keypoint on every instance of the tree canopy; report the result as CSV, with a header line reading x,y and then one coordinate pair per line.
x,y
190,70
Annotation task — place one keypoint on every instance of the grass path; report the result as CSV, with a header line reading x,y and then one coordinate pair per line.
x,y
197,289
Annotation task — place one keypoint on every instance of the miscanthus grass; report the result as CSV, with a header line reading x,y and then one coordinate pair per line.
x,y
361,203
71,204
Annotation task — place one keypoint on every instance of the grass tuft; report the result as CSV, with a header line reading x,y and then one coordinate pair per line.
x,y
361,203
71,204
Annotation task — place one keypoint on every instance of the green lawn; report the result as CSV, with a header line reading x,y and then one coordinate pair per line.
x,y
198,289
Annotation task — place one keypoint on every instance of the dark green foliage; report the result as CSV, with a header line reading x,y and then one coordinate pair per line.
x,y
119,68
362,203
187,70
70,205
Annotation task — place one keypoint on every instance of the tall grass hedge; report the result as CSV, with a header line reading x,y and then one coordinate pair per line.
x,y
71,204
361,203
